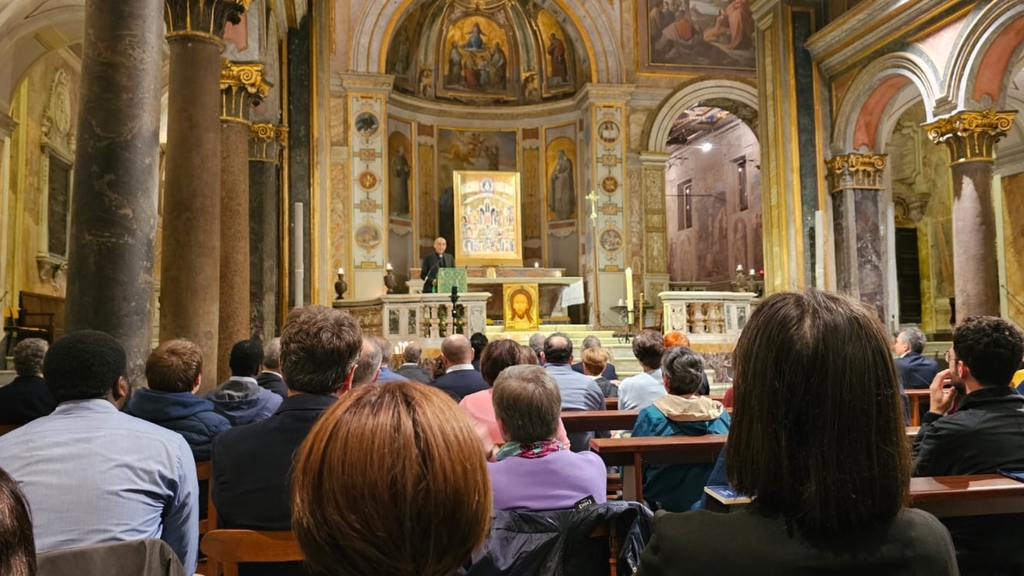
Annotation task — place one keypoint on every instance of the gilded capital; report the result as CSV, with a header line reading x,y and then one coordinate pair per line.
x,y
266,142
242,86
971,135
202,17
861,171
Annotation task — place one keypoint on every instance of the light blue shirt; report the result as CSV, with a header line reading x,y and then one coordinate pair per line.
x,y
640,391
94,475
578,391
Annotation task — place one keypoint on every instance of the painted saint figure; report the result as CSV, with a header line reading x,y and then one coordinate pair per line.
x,y
454,66
475,41
563,190
499,65
559,66
400,172
520,305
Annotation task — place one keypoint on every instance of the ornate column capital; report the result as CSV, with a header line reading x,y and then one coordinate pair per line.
x,y
202,17
266,142
971,135
242,86
862,171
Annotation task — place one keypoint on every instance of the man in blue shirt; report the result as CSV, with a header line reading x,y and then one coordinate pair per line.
x,y
578,391
93,475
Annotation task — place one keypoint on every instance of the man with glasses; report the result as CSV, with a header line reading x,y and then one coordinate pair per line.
x,y
982,435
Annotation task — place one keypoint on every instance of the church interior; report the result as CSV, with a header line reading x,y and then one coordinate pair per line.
x,y
199,169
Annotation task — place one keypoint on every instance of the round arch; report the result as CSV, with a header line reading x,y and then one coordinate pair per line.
x,y
18,48
871,97
688,95
377,23
982,68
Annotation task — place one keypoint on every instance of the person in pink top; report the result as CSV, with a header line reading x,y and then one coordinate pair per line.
x,y
497,356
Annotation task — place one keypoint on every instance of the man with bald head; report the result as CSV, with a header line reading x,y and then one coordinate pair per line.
x,y
578,391
459,379
432,262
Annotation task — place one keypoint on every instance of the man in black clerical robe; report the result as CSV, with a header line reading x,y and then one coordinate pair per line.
x,y
432,262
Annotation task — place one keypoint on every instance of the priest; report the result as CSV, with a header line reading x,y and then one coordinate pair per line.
x,y
434,261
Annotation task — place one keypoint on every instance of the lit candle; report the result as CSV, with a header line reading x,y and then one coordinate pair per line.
x,y
536,264
622,302
389,266
739,267
751,271
629,288
397,352
341,270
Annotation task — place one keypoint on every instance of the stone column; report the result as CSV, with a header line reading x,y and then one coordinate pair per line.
x,y
190,267
114,200
242,86
971,138
265,145
855,181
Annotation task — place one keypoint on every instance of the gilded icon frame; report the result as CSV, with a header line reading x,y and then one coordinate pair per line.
x,y
488,218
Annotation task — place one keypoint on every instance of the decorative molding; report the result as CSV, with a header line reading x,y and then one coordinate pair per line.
x,y
266,142
242,86
367,82
58,125
860,171
202,17
971,135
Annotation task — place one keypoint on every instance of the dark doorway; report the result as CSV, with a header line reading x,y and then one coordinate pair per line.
x,y
908,276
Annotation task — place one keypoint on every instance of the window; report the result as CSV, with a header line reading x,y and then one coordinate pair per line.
x,y
741,176
685,194
59,194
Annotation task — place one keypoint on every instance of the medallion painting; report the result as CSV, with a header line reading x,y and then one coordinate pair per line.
x,y
487,212
696,35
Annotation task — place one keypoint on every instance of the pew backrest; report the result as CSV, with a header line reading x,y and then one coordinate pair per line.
x,y
231,547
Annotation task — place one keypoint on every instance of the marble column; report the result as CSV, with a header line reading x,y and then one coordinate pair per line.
x,y
971,138
242,86
855,181
190,267
114,199
265,145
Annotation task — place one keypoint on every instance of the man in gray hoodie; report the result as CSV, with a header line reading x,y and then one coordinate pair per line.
x,y
240,398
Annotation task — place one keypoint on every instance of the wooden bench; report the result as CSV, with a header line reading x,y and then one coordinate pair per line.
x,y
229,548
40,316
943,496
917,396
599,420
611,403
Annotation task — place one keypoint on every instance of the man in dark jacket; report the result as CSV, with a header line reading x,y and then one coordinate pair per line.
x,y
251,477
27,397
240,398
270,376
174,372
411,369
983,435
460,379
915,370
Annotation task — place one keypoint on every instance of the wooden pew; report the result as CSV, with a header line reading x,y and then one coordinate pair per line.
x,y
611,403
231,547
41,313
943,496
599,420
917,397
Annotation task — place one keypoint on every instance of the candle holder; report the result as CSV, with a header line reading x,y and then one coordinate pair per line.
x,y
340,286
389,281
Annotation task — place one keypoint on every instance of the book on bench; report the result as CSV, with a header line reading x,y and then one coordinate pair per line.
x,y
726,495
1017,475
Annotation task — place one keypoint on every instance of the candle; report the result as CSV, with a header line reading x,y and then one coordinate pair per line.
x,y
629,288
751,271
341,270
622,302
739,267
397,351
536,264
389,266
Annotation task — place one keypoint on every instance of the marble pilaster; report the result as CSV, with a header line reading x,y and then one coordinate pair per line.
x,y
242,86
192,180
971,137
855,181
265,146
655,223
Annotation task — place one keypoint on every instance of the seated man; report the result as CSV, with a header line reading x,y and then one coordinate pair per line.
x,y
240,398
411,369
386,373
609,368
533,470
26,397
270,377
983,435
578,391
681,412
94,475
640,391
252,474
459,379
174,372
368,367
914,370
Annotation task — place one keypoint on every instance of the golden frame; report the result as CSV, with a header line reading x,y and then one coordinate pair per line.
x,y
504,187
530,321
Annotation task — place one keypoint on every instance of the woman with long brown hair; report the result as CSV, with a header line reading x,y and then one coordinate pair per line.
x,y
17,544
818,442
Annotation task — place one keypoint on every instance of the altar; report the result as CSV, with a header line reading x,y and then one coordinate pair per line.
x,y
551,282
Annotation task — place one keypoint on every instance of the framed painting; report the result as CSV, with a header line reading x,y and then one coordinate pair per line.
x,y
696,36
521,309
488,230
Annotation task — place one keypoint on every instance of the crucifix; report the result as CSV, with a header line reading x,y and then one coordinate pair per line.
x,y
593,204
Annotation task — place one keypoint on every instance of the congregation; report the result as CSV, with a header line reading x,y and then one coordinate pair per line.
x,y
374,471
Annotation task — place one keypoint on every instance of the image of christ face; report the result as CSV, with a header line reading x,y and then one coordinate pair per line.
x,y
439,245
520,305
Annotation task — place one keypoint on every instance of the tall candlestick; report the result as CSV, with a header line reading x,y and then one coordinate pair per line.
x,y
629,291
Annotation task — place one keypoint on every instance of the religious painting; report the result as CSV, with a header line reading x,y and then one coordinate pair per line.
x,y
694,36
521,308
475,59
401,61
558,56
488,230
400,170
561,181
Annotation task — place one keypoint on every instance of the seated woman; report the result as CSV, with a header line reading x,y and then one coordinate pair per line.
x,y
682,412
595,360
818,442
17,544
535,471
478,406
677,339
383,485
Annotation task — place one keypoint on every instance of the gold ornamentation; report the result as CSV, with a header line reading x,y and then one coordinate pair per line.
x,y
609,184
971,135
202,17
861,171
242,86
266,142
368,180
